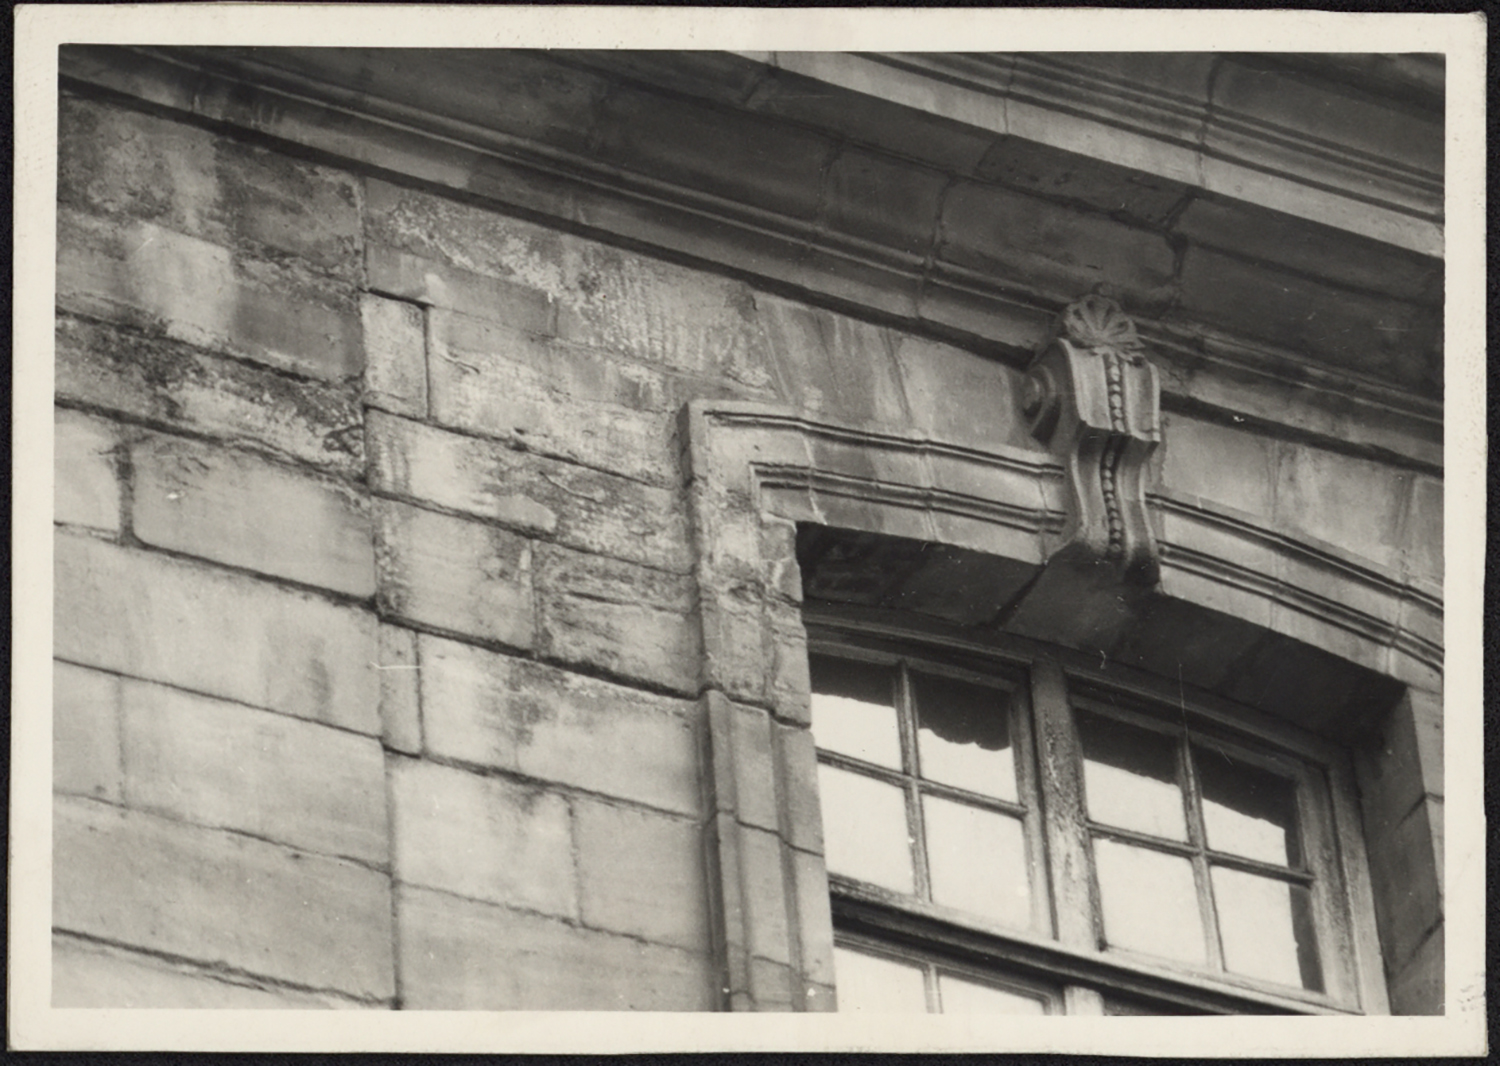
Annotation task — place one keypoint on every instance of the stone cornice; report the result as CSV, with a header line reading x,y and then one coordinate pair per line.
x,y
1213,121
780,234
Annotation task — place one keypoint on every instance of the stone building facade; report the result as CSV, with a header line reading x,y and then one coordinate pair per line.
x,y
460,455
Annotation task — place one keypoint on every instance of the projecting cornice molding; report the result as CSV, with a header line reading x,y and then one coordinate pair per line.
x,y
1248,320
1092,398
1316,148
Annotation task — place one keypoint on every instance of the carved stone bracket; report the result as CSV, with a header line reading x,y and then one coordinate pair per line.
x,y
1092,398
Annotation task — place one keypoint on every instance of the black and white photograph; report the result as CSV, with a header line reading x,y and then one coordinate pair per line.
x,y
570,525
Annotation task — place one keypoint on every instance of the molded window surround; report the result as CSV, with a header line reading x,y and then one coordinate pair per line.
x,y
961,538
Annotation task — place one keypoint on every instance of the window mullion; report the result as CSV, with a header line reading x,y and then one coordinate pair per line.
x,y
930,983
1334,938
1030,795
1060,776
916,827
1198,837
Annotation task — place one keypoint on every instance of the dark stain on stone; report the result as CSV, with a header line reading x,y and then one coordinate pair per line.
x,y
742,300
348,440
526,712
103,167
320,682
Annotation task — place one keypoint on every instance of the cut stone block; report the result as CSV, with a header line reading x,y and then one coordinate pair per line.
x,y
229,766
120,161
144,275
215,632
233,508
463,576
395,355
578,506
482,838
221,899
513,714
91,975
457,954
641,873
170,383
86,732
616,616
86,485
400,690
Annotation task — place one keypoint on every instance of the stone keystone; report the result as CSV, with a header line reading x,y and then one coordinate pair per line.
x,y
1092,398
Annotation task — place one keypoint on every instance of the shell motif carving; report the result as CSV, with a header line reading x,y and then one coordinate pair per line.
x,y
1096,321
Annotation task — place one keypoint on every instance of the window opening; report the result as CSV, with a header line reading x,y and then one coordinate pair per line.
x,y
1185,853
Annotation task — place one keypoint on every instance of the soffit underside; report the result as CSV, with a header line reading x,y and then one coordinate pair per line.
x,y
894,584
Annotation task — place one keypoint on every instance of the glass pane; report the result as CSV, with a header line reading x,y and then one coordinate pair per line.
x,y
853,709
967,997
864,829
1246,810
977,860
1130,777
868,983
963,735
1266,928
1149,900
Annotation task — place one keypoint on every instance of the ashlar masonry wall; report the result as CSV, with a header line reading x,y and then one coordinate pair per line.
x,y
378,663
365,697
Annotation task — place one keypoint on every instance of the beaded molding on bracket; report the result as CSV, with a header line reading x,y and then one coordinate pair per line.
x,y
1092,397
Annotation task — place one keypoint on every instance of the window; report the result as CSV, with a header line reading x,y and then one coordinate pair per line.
x,y
1005,833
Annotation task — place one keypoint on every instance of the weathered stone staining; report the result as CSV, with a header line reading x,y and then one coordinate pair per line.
x,y
436,522
1092,399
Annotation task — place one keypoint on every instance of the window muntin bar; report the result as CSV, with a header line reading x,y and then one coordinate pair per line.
x,y
1161,786
1149,901
1247,811
977,861
1266,928
905,928
1130,777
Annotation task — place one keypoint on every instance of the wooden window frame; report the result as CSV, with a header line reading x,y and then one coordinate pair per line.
x,y
1067,951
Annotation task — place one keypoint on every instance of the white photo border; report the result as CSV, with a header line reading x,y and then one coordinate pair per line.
x,y
40,29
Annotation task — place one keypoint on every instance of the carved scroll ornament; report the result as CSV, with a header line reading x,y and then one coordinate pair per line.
x,y
1092,398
